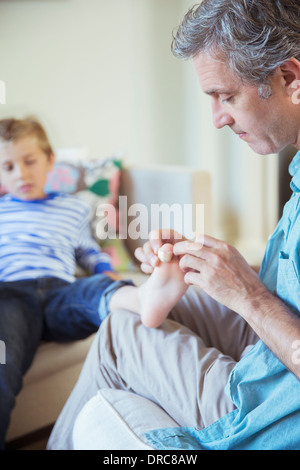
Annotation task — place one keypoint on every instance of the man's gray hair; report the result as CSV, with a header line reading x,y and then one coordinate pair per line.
x,y
253,36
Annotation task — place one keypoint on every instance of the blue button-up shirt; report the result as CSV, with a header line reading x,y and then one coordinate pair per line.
x,y
265,393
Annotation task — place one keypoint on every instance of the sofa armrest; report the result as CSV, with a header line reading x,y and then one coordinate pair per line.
x,y
47,385
111,420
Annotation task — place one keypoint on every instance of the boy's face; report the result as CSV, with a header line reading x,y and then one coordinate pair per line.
x,y
24,167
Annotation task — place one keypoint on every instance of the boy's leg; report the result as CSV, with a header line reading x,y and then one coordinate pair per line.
x,y
170,365
74,311
20,330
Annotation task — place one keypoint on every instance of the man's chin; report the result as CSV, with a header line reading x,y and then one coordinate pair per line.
x,y
263,149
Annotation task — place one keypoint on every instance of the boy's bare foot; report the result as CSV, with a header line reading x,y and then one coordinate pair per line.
x,y
160,293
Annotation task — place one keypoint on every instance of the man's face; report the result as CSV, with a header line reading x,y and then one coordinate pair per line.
x,y
24,168
267,126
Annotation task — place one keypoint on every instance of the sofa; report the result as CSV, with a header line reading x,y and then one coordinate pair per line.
x,y
56,367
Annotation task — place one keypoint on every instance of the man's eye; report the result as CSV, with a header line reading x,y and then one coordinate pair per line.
x,y
227,100
30,162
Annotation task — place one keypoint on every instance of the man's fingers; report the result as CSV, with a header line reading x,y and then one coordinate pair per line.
x,y
191,263
203,247
193,278
193,248
208,241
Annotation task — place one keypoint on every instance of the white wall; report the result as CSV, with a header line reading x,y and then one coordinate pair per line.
x,y
97,72
100,74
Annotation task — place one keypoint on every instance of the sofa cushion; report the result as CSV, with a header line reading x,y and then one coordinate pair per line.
x,y
111,420
96,180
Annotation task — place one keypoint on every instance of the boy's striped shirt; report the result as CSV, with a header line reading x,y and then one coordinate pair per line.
x,y
47,238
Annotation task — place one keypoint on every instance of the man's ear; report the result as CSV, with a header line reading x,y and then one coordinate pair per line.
x,y
290,72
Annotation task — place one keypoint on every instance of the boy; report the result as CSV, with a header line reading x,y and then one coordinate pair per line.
x,y
41,239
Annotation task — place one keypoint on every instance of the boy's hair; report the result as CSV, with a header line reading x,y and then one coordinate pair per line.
x,y
12,130
253,36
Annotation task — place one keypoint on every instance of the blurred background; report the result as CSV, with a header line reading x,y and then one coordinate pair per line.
x,y
100,74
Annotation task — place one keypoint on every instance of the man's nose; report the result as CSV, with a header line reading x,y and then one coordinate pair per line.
x,y
221,117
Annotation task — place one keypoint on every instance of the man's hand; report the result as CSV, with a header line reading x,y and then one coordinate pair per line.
x,y
220,270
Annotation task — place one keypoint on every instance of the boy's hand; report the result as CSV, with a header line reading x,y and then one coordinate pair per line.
x,y
148,254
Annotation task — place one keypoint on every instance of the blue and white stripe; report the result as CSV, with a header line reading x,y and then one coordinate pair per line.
x,y
47,238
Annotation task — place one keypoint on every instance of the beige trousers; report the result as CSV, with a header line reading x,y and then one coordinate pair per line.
x,y
183,366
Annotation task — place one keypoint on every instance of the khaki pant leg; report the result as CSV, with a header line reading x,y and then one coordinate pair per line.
x,y
170,365
176,366
217,326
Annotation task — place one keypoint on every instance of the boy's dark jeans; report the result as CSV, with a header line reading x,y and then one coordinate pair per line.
x,y
45,309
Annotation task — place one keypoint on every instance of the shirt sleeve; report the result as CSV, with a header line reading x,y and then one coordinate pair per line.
x,y
88,253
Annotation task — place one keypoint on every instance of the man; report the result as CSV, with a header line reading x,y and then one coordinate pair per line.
x,y
223,363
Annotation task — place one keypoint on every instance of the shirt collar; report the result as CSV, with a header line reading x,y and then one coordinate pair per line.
x,y
294,170
47,197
